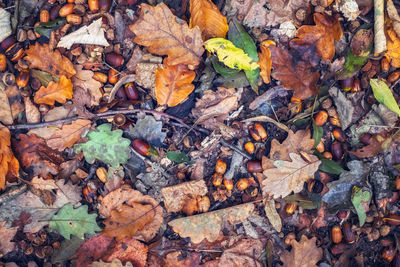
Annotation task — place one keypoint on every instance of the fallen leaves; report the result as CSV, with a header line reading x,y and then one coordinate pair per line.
x,y
297,76
173,84
158,29
7,234
84,79
55,91
265,61
42,57
303,254
393,48
9,165
205,15
320,38
130,214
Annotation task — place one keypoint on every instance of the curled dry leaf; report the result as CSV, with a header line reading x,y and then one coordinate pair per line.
x,y
303,254
84,79
298,77
205,15
43,58
265,60
394,16
320,38
209,225
7,234
42,184
131,214
56,91
165,34
9,165
175,196
173,84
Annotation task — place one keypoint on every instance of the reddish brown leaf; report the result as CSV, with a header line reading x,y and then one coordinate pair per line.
x,y
7,234
129,250
375,147
55,91
9,165
43,58
296,76
93,250
265,61
303,254
173,84
319,38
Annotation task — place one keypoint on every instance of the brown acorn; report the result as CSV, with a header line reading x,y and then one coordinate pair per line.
x,y
114,59
54,11
8,42
104,4
254,166
74,19
44,16
99,76
131,92
339,135
66,10
141,146
119,119
112,76
336,234
102,174
257,131
385,64
320,147
220,167
93,5
203,203
23,78
393,77
343,214
321,118
337,151
348,234
249,147
190,206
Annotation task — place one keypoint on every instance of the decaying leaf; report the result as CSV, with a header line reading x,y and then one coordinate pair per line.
x,y
272,214
205,15
32,113
282,11
384,95
92,34
303,254
7,234
289,176
320,38
298,77
113,263
84,79
130,214
148,129
9,165
265,60
165,34
93,249
6,116
68,135
360,198
175,196
173,84
394,16
42,184
55,91
43,58
128,251
208,225
4,24
377,144
393,47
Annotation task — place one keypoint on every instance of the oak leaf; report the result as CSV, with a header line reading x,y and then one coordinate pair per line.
x,y
138,216
9,165
173,84
294,76
68,135
42,184
93,249
320,38
288,176
205,15
393,48
303,254
84,79
265,62
43,58
56,91
7,234
165,34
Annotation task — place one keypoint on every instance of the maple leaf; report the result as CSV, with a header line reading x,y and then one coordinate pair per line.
x,y
43,58
84,79
173,84
303,254
165,34
205,15
320,38
265,62
9,165
288,176
68,135
7,234
298,77
55,91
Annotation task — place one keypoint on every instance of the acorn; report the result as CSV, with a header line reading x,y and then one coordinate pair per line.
x,y
114,59
336,234
254,166
141,146
220,167
320,147
66,10
3,62
315,186
257,132
298,103
7,78
385,64
93,5
99,76
393,77
104,5
337,151
23,78
228,183
119,119
217,179
321,118
74,19
249,147
335,121
15,52
339,135
289,238
348,234
343,214
102,174
44,16
121,94
242,184
388,254
112,76
203,203
131,92
290,208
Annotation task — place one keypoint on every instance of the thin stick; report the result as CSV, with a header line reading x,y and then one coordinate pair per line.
x,y
13,193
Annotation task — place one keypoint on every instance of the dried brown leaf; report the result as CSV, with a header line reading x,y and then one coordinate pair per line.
x,y
84,79
42,184
55,91
68,135
6,116
129,250
7,234
165,34
9,165
32,113
303,254
265,61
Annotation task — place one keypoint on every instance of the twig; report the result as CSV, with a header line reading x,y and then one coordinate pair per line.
x,y
41,124
13,193
225,143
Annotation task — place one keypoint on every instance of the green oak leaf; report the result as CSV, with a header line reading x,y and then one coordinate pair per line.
x,y
358,197
69,221
105,145
384,95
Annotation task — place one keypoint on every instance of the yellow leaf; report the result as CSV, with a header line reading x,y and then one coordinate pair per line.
x,y
393,48
173,84
59,91
230,55
265,61
205,15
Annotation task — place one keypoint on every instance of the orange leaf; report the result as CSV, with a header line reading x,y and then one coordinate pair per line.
x,y
265,60
205,15
393,48
320,38
59,91
160,30
43,58
9,165
68,135
298,77
173,84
